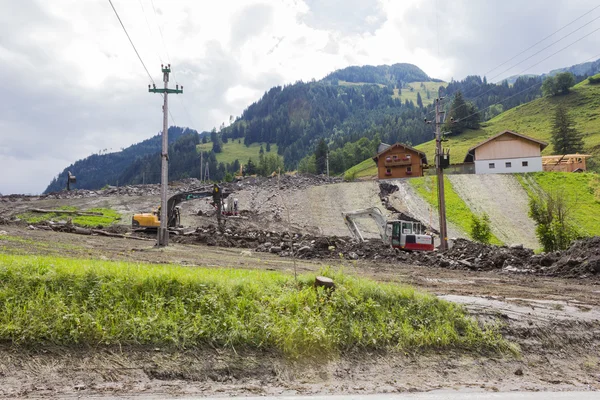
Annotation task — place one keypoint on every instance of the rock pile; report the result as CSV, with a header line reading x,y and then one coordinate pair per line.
x,y
581,260
466,254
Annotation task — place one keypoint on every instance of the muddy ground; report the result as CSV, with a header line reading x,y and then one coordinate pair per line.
x,y
555,321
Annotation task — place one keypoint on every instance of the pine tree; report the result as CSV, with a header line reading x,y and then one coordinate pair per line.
x,y
321,156
565,138
419,100
463,115
250,167
268,148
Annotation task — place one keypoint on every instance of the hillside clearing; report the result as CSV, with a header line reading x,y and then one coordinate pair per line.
x,y
234,150
428,91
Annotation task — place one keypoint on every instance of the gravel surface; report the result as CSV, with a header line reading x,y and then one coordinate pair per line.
x,y
503,198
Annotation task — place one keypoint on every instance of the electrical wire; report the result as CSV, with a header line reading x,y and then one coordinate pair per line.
x,y
529,48
540,41
532,86
528,68
550,45
150,30
131,41
136,52
160,31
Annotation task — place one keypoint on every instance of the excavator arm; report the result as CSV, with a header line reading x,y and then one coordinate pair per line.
x,y
373,213
174,201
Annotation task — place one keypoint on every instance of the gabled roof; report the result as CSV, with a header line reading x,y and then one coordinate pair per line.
x,y
543,145
423,155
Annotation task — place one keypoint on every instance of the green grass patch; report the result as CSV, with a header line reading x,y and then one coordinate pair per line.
x,y
457,210
48,300
108,217
581,190
365,168
232,150
419,87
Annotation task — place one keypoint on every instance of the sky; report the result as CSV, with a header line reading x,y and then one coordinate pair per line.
x,y
73,85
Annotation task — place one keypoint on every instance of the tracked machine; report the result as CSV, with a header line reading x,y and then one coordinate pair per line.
x,y
400,234
223,205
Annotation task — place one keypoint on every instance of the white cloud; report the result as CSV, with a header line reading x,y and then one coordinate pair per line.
x,y
76,86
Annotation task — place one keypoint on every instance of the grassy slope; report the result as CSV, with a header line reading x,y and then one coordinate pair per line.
x,y
233,150
535,119
457,211
582,190
84,302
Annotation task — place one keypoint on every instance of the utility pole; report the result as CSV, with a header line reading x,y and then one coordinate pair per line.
x,y
163,233
327,159
201,161
439,153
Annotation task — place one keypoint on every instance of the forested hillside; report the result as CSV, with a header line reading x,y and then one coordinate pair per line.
x,y
350,111
98,170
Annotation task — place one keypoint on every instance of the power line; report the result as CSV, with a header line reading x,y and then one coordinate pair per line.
x,y
549,36
526,69
131,41
540,41
150,30
528,88
136,52
550,45
160,31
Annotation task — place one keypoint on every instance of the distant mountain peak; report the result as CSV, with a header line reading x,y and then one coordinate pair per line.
x,y
380,74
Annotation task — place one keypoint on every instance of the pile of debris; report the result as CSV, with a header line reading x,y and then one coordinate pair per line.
x,y
581,260
465,254
303,246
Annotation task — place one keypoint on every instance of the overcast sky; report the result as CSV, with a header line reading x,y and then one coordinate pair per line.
x,y
73,85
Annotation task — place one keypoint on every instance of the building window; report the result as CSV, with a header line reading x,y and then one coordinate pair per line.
x,y
492,165
388,171
408,170
395,157
508,164
525,163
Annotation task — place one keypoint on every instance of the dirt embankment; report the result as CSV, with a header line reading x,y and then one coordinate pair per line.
x,y
504,200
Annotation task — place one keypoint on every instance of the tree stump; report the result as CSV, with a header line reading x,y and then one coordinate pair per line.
x,y
322,281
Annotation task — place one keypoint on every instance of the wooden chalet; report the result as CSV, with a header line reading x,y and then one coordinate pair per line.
x,y
400,161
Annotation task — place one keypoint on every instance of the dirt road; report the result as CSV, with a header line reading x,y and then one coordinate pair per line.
x,y
555,322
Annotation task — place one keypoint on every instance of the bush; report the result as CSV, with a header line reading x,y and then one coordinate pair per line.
x,y
350,175
481,230
552,215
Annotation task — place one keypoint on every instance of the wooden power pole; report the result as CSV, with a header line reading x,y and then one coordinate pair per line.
x,y
439,154
163,233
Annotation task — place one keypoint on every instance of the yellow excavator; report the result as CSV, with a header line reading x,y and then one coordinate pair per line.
x,y
152,220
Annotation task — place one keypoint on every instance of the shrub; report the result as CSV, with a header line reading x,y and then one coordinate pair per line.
x,y
481,230
552,215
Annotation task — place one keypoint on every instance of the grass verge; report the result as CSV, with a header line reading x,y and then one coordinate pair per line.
x,y
108,217
457,210
49,300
